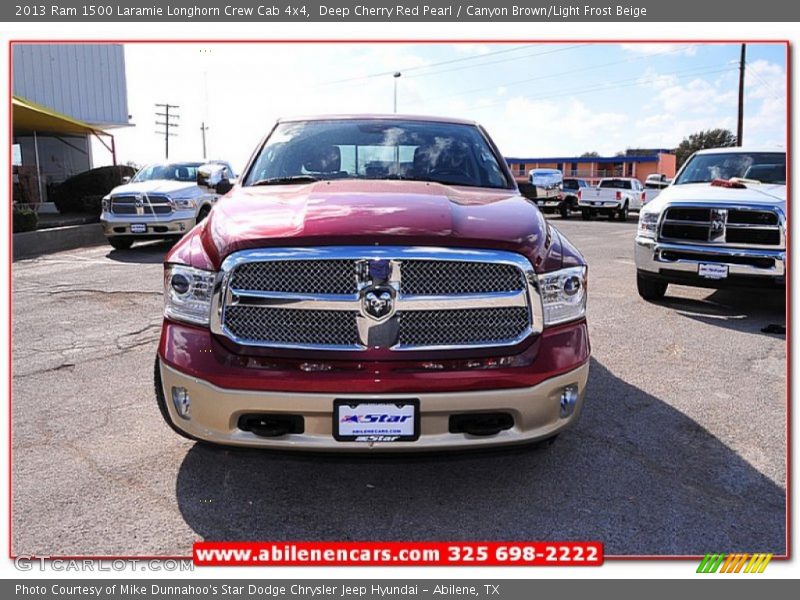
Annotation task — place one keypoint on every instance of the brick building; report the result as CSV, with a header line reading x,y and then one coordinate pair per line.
x,y
639,164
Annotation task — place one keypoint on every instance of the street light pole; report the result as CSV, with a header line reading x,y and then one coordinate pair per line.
x,y
396,77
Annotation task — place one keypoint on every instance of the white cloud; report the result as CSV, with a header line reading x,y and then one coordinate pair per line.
x,y
548,127
765,79
651,49
468,48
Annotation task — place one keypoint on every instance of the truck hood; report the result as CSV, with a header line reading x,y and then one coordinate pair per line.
x,y
168,187
766,194
352,212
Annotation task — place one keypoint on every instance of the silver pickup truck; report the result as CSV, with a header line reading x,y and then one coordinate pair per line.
x,y
161,201
721,223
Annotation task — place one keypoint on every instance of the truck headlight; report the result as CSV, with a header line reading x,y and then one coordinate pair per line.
x,y
648,223
187,293
105,203
183,203
563,295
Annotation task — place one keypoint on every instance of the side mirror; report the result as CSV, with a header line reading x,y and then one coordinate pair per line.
x,y
211,179
126,179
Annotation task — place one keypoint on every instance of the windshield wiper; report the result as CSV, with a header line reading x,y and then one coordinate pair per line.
x,y
288,179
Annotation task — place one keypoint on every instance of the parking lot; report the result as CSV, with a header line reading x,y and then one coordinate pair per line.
x,y
681,448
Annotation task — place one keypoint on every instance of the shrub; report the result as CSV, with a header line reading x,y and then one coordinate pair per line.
x,y
69,195
92,204
24,219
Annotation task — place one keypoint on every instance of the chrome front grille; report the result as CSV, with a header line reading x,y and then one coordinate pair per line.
x,y
466,326
277,326
356,298
297,276
717,224
437,277
141,204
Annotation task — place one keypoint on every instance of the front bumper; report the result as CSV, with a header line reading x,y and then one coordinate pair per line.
x,y
215,413
599,204
178,223
679,262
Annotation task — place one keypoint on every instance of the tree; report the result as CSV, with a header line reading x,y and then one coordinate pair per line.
x,y
711,138
591,154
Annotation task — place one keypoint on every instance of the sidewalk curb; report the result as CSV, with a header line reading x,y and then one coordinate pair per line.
x,y
57,239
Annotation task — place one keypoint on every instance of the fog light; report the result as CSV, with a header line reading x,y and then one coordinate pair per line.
x,y
180,398
569,399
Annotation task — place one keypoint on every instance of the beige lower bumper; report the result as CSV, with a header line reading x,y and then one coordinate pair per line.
x,y
154,228
216,411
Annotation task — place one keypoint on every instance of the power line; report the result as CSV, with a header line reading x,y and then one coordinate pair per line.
x,y
428,66
751,70
560,73
494,62
611,85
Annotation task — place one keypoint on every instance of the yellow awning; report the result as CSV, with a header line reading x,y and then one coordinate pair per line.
x,y
28,117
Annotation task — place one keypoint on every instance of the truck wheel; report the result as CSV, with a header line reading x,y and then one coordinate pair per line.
x,y
622,214
203,213
120,243
585,214
564,210
650,289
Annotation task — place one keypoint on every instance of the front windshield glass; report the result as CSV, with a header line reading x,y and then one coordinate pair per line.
x,y
766,167
448,153
170,171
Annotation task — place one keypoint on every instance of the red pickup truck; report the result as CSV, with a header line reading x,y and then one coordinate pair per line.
x,y
373,283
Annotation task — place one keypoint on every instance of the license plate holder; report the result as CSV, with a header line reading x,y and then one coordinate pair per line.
x,y
712,271
365,421
138,228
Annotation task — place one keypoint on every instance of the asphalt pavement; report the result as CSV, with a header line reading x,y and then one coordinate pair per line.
x,y
681,448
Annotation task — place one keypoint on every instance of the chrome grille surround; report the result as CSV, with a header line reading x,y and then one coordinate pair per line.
x,y
141,204
261,295
723,225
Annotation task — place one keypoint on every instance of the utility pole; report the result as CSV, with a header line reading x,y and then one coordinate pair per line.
x,y
203,129
740,121
167,115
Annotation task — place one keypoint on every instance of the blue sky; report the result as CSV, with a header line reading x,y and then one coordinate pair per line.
x,y
534,99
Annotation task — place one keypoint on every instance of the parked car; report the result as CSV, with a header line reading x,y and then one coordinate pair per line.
x,y
543,188
613,197
653,186
161,201
570,190
722,223
373,283
656,180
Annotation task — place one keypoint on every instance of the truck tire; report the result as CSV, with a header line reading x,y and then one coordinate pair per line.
x,y
649,288
120,243
563,210
622,213
586,215
203,213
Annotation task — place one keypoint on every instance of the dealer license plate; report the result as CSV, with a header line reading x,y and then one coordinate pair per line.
x,y
712,271
358,421
138,228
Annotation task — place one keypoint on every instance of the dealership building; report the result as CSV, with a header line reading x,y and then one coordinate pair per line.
x,y
638,164
63,97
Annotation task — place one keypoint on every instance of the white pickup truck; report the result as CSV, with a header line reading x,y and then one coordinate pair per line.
x,y
612,197
720,223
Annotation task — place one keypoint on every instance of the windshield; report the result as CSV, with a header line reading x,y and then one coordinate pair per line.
x,y
766,167
449,153
545,179
170,171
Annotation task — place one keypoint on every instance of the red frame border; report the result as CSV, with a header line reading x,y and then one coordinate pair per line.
x,y
298,41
